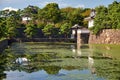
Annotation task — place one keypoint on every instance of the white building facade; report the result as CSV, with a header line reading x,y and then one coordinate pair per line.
x,y
26,18
90,19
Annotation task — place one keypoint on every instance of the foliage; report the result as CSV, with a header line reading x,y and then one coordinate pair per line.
x,y
49,30
41,25
10,20
50,13
72,15
30,11
76,17
11,27
2,28
66,13
107,17
58,19
30,30
65,29
86,13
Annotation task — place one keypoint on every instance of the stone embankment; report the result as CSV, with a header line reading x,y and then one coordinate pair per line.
x,y
3,45
107,36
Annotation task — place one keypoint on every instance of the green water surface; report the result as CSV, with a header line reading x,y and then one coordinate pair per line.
x,y
60,61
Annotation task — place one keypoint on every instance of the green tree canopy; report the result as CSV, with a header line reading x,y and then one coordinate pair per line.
x,y
65,29
49,30
50,13
30,30
11,27
72,15
107,17
2,28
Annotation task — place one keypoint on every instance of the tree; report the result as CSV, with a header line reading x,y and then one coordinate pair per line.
x,y
11,27
50,13
30,10
65,29
100,17
107,17
72,15
9,21
76,17
85,13
16,17
49,30
66,13
4,13
114,16
30,30
41,25
2,28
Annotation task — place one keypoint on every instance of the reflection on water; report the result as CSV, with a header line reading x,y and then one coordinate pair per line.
x,y
22,61
2,66
52,61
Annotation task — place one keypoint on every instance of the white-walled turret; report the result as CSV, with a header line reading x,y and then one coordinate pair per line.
x,y
90,19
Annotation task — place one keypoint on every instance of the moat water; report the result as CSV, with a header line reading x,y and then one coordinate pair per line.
x,y
60,61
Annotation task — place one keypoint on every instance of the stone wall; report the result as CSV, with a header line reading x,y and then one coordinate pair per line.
x,y
107,36
3,45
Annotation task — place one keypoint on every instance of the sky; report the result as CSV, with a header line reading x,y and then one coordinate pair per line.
x,y
21,4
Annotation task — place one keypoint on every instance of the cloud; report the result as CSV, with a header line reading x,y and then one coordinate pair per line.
x,y
10,8
60,3
80,6
42,4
